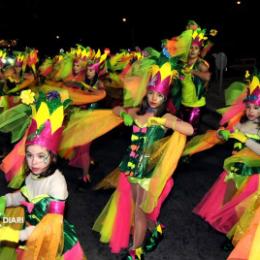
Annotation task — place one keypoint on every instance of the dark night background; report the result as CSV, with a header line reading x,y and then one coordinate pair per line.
x,y
36,23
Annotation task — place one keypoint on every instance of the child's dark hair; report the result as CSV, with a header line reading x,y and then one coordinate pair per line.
x,y
160,111
243,118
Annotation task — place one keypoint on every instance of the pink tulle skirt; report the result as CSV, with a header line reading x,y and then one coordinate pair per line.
x,y
117,219
224,217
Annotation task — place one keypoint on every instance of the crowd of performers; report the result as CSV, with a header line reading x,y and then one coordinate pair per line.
x,y
57,107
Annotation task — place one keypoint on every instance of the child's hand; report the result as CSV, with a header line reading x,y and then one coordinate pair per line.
x,y
224,134
128,120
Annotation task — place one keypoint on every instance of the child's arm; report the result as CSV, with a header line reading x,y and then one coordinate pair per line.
x,y
253,145
125,114
250,143
14,199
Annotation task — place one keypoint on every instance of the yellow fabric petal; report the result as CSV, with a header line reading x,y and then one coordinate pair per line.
x,y
46,241
8,251
98,54
163,170
166,70
255,250
103,57
104,223
85,126
254,83
155,69
42,114
195,34
56,119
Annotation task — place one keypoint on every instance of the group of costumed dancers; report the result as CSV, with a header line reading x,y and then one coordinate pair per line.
x,y
57,108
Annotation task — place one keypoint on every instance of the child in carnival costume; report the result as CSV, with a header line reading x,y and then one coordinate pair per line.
x,y
95,71
23,72
226,205
195,70
41,200
20,73
67,76
145,178
79,57
245,233
195,82
78,82
80,156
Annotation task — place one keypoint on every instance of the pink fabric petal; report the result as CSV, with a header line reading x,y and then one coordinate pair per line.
x,y
122,224
76,252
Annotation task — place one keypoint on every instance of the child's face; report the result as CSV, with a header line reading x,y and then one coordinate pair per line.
x,y
90,73
194,51
38,158
77,67
155,99
252,111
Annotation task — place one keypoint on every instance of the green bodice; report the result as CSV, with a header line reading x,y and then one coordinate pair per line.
x,y
237,168
136,162
193,89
